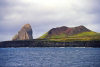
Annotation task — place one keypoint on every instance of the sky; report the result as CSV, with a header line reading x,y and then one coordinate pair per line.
x,y
44,15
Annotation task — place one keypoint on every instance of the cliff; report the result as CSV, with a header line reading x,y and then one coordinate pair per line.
x,y
24,34
45,43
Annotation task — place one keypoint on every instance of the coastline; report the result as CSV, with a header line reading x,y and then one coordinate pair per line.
x,y
43,43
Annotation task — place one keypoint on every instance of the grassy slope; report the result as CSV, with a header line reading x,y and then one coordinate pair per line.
x,y
85,36
43,36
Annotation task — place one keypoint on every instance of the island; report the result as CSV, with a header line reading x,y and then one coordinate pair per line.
x,y
63,36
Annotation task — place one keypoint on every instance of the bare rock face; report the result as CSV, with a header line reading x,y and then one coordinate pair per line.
x,y
68,30
24,34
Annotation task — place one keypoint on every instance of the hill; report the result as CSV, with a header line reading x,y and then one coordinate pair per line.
x,y
79,33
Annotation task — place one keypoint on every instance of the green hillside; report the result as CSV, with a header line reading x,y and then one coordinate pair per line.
x,y
43,36
85,36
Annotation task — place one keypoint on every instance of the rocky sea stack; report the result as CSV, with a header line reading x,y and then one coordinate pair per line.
x,y
24,34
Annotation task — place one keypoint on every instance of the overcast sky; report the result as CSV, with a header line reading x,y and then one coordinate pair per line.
x,y
46,14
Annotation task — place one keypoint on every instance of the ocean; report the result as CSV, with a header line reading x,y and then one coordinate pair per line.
x,y
50,57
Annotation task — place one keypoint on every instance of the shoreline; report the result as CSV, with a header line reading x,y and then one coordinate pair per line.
x,y
43,43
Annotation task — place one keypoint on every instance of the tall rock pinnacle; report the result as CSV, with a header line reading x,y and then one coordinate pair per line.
x,y
24,34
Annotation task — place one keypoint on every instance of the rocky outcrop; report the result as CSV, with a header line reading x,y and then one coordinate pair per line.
x,y
24,34
68,30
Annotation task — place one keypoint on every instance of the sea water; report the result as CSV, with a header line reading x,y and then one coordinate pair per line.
x,y
49,57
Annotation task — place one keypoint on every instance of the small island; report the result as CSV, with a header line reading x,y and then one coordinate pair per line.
x,y
63,36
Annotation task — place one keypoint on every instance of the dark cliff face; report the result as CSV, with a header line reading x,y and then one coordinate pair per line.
x,y
68,30
24,34
43,43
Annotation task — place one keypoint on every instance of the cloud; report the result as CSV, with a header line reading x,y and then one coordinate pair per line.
x,y
46,14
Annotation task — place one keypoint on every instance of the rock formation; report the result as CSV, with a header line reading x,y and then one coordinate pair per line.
x,y
24,34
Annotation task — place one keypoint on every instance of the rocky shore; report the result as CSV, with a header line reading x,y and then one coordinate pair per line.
x,y
44,43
